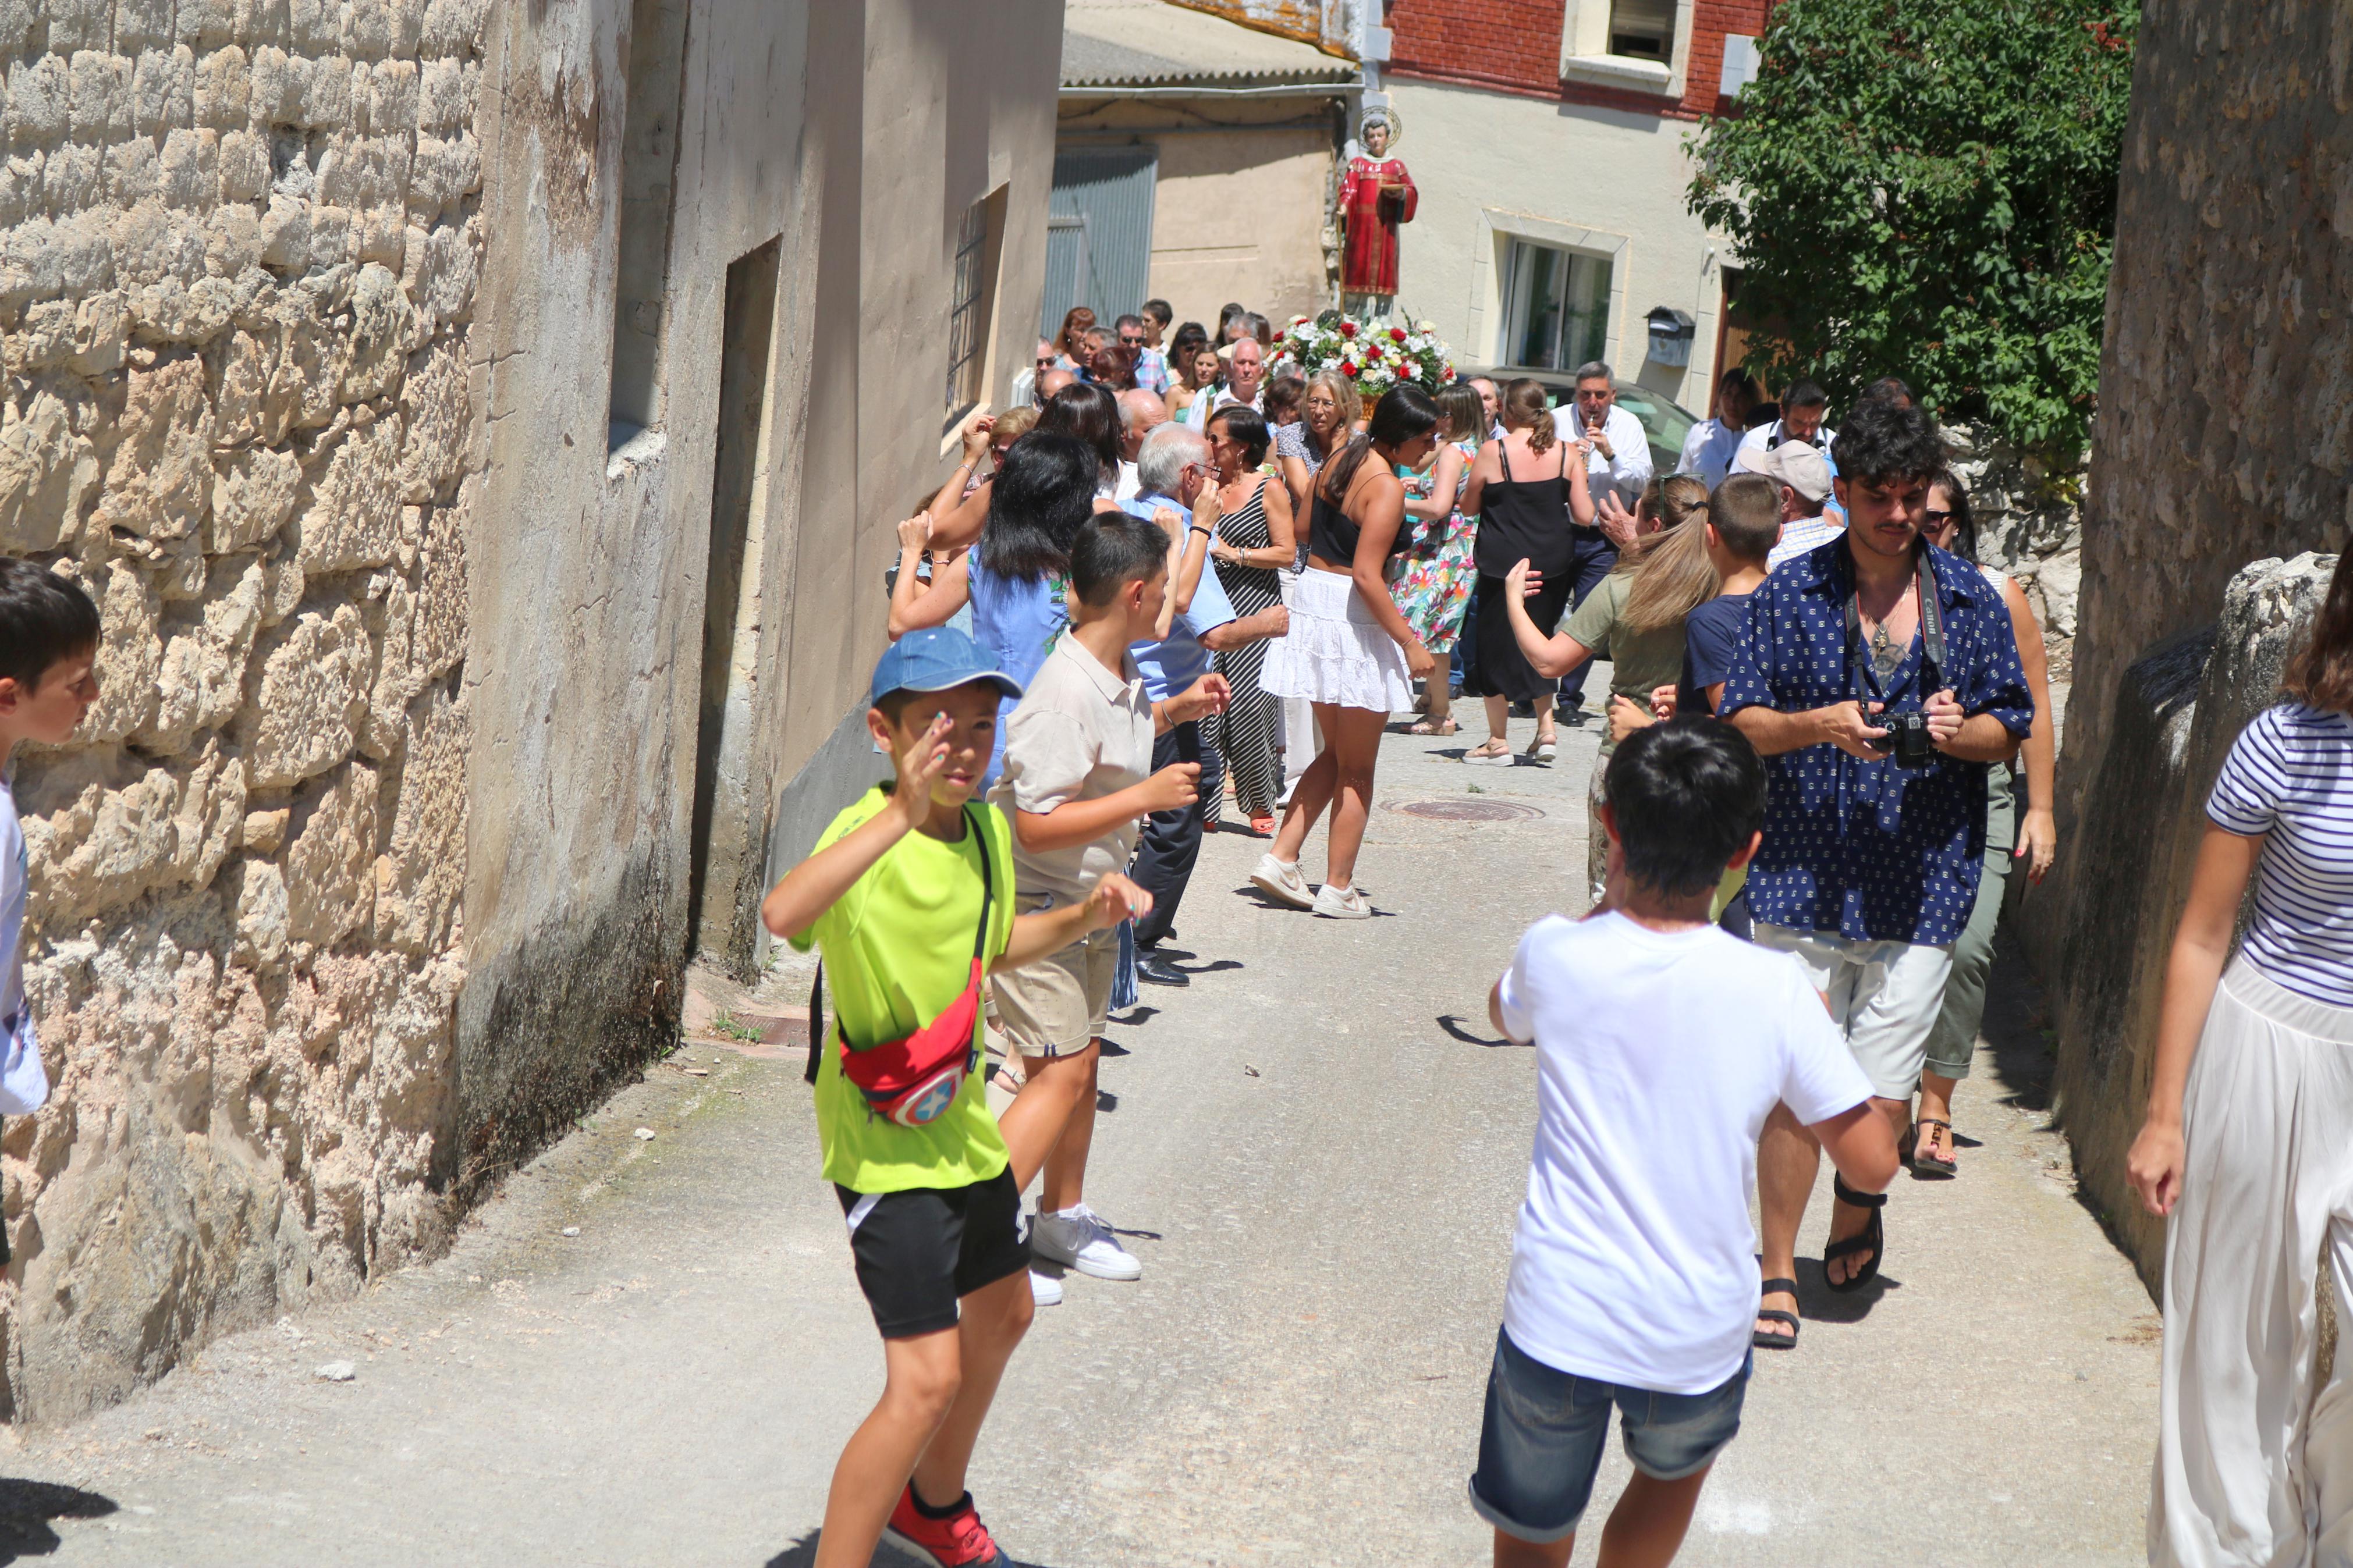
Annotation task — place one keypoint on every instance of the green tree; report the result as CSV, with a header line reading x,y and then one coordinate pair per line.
x,y
1928,189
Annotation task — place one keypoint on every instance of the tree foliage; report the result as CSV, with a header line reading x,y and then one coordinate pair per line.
x,y
1928,189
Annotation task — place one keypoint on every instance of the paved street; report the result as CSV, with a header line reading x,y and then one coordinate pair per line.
x,y
1316,1149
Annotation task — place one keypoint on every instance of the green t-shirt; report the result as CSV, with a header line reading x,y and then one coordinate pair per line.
x,y
1639,661
898,951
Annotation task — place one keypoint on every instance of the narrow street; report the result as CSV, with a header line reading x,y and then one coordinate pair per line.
x,y
1316,1149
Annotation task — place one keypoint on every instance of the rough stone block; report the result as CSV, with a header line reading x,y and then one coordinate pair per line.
x,y
350,515
306,385
438,271
326,95
441,102
221,93
97,90
438,642
48,471
383,324
453,26
206,24
39,102
129,655
142,24
159,481
392,619
273,90
331,859
254,494
316,674
133,173
80,25
259,889
206,644
243,167
129,830
420,877
189,169
443,171
86,336
162,90
434,399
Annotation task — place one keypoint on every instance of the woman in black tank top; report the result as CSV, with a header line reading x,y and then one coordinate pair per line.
x,y
1349,652
1527,488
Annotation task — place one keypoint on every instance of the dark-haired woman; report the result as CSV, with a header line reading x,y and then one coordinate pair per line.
x,y
1525,493
1184,371
1015,577
2030,835
1434,577
1254,538
1349,652
1083,410
2249,1142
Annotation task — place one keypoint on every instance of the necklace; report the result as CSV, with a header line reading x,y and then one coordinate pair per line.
x,y
1879,639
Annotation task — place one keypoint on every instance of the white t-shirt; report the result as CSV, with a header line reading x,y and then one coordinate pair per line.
x,y
1658,1056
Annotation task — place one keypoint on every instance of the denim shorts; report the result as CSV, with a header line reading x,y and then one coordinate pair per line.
x,y
1540,1443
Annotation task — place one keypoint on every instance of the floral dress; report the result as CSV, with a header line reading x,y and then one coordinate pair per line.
x,y
1432,581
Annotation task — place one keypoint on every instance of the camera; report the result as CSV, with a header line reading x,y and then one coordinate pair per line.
x,y
1906,741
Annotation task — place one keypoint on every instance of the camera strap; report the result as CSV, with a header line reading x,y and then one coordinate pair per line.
x,y
1932,628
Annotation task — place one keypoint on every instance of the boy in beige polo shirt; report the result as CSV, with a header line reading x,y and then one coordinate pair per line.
x,y
1077,786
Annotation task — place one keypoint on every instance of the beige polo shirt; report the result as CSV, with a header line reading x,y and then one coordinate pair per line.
x,y
1081,732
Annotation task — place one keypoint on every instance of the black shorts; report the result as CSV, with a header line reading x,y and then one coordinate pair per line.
x,y
920,1250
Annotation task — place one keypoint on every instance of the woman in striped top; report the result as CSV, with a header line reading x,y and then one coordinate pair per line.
x,y
2249,1139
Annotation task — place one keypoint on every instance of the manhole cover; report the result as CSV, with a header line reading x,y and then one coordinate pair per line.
x,y
1465,810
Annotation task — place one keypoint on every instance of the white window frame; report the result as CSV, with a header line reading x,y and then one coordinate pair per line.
x,y
1491,309
1585,54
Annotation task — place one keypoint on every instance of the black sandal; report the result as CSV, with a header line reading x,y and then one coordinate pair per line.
x,y
1928,1167
1770,1341
1871,1237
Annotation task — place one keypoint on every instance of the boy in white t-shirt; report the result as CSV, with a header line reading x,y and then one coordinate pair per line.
x,y
1662,1043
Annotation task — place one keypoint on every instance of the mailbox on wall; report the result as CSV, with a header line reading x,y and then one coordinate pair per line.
x,y
1671,336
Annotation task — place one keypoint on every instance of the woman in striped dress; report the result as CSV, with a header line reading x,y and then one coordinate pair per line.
x,y
1434,576
1254,538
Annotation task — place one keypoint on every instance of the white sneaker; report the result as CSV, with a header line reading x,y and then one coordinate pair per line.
x,y
1045,1290
1339,904
1079,1238
1282,882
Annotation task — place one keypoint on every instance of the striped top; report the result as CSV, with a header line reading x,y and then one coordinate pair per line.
x,y
2290,775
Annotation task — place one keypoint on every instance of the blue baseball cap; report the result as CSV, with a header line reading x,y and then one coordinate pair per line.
x,y
935,659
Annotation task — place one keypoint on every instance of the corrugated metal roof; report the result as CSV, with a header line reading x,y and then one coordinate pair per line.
x,y
1137,42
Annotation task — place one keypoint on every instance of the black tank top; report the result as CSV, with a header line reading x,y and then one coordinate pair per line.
x,y
1331,534
1524,519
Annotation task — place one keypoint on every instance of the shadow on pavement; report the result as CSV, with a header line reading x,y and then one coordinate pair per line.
x,y
26,1509
1818,1301
1452,1023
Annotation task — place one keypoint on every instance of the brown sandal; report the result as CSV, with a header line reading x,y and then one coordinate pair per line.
x,y
1925,1166
1432,727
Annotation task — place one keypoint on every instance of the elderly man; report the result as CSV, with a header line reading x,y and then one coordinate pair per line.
x,y
1025,385
1140,413
1803,476
1245,382
1618,459
1173,466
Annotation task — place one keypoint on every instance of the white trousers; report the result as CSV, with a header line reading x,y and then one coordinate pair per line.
x,y
1294,729
2254,1463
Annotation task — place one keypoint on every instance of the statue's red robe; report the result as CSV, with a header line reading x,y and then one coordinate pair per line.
x,y
1368,261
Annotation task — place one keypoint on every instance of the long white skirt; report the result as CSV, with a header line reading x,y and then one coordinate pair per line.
x,y
2255,1457
1336,652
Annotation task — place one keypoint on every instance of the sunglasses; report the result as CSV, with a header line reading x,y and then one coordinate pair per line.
x,y
1937,519
1135,343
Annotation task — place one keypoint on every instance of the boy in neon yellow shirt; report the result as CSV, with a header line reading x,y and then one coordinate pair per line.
x,y
895,896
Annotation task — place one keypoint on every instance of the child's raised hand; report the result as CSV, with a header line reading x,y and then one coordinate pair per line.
x,y
1626,716
1663,701
1173,788
1113,900
920,767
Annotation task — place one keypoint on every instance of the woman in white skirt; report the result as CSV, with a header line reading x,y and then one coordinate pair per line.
x,y
2249,1143
1349,652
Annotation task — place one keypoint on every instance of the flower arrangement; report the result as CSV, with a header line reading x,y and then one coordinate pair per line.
x,y
1376,355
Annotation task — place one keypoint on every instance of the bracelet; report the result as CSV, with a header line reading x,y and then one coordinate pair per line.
x,y
1202,528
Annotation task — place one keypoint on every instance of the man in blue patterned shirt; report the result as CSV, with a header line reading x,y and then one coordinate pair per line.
x,y
1869,866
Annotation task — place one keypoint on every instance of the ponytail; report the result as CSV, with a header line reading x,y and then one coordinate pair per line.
x,y
1526,408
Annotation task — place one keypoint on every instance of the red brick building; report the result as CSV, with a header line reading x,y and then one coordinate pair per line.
x,y
1547,139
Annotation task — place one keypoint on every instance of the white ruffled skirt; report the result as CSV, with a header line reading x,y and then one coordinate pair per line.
x,y
1336,652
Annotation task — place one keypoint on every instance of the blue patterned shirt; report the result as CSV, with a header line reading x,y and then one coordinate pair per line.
x,y
1867,850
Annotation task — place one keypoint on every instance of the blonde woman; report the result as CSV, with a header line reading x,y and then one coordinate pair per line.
x,y
1635,619
1326,410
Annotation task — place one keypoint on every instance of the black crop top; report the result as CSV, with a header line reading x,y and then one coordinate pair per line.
x,y
1331,534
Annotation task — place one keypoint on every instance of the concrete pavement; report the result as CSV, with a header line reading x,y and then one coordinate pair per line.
x,y
1317,1150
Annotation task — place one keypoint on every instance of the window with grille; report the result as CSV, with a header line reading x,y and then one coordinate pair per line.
x,y
969,312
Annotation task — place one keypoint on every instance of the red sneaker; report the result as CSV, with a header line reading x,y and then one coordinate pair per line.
x,y
959,1540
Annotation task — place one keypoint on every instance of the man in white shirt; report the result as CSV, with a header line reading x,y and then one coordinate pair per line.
x,y
1662,1043
1620,460
1245,382
1803,408
1803,476
1140,413
1708,450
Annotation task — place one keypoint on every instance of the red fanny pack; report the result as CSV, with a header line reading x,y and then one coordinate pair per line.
x,y
914,1079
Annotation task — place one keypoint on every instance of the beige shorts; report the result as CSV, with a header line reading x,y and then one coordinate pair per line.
x,y
1053,1006
1884,997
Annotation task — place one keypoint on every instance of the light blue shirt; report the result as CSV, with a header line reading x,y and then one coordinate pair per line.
x,y
1017,621
1177,660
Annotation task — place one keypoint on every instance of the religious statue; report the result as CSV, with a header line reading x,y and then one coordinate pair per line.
x,y
1375,196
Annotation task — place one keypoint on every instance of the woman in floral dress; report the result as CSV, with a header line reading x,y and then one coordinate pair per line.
x,y
1434,578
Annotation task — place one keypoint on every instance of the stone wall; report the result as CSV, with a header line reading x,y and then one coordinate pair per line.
x,y
2030,526
237,252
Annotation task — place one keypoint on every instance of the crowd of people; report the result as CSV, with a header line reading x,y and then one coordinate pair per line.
x,y
1172,573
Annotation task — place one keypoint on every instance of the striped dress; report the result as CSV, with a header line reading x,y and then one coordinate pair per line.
x,y
1246,733
2290,776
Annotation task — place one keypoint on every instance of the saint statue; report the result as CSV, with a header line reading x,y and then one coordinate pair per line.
x,y
1375,196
